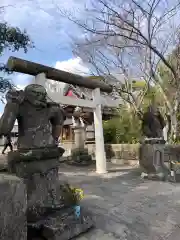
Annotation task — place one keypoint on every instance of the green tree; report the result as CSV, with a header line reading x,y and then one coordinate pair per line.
x,y
171,87
125,128
12,39
170,84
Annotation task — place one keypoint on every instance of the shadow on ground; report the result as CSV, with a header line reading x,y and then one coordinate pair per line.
x,y
126,207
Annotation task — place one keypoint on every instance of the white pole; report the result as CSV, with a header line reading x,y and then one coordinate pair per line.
x,y
99,137
40,79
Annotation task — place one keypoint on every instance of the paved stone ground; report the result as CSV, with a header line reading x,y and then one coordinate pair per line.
x,y
125,207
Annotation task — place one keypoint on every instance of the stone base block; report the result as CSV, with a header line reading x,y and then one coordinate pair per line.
x,y
13,204
152,159
64,227
45,195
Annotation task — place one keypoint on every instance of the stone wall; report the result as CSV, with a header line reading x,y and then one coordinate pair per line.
x,y
116,153
123,153
126,153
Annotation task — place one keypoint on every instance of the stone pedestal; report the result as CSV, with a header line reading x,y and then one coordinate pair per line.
x,y
80,155
79,137
151,159
50,208
13,204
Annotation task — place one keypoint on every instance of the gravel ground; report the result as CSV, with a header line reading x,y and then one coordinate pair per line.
x,y
124,206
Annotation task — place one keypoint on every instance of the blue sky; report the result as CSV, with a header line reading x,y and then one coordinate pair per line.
x,y
49,32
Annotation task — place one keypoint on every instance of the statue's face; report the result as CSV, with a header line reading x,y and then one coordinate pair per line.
x,y
38,95
35,92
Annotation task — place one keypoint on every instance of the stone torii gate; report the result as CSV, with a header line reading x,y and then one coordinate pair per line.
x,y
42,73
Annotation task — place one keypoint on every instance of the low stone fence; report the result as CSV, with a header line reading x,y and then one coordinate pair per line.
x,y
119,153
125,153
115,153
172,152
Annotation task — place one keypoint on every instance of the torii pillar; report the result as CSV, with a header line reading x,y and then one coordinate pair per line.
x,y
99,136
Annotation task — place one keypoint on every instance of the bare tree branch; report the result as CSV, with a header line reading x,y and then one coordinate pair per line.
x,y
129,40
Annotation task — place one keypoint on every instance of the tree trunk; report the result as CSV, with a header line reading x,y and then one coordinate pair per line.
x,y
173,129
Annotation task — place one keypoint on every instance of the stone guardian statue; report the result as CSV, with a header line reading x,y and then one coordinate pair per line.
x,y
37,160
151,153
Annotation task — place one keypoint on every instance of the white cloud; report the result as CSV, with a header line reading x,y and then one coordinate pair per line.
x,y
42,18
46,27
21,80
73,65
37,22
